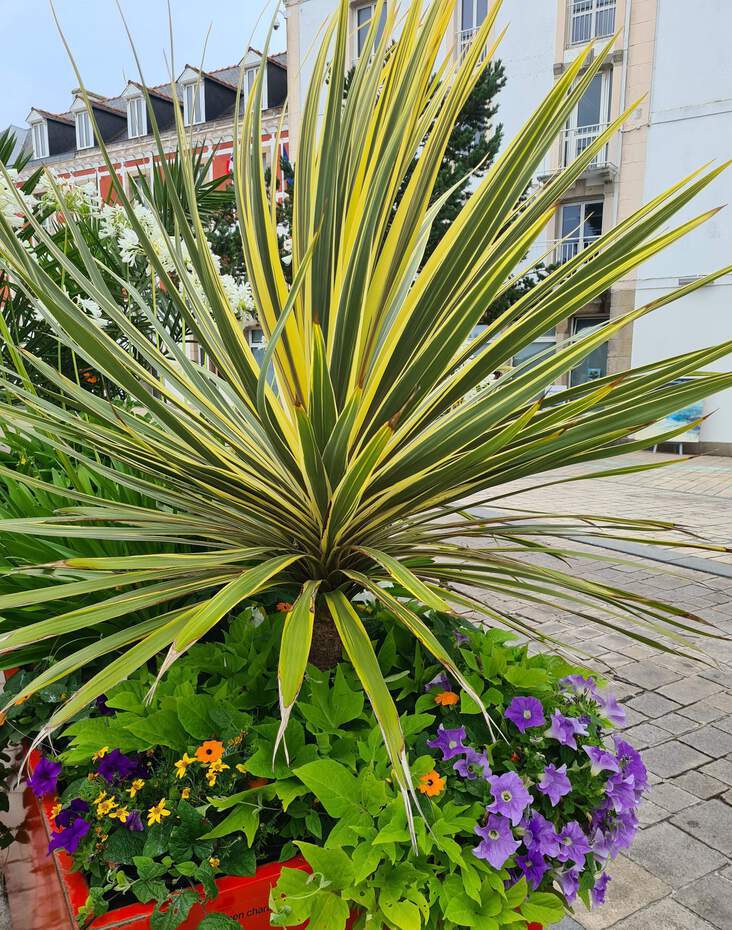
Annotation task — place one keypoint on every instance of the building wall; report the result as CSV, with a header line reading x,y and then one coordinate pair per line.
x,y
691,123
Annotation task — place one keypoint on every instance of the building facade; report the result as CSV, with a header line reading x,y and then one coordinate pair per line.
x,y
678,66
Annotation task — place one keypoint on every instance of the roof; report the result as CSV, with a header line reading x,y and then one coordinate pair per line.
x,y
162,90
58,117
216,77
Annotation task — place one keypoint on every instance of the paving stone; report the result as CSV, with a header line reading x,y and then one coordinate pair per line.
x,y
675,724
671,797
715,743
722,676
701,712
673,758
650,813
652,705
621,690
710,822
722,701
630,890
690,690
632,718
711,899
703,786
724,724
721,769
727,797
567,924
673,855
646,734
664,915
649,675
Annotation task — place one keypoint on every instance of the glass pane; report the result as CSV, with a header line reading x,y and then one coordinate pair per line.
x,y
532,351
605,21
467,19
581,21
571,220
482,12
589,107
593,220
363,21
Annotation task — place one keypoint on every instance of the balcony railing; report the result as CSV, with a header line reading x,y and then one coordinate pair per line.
x,y
575,141
590,19
465,40
564,249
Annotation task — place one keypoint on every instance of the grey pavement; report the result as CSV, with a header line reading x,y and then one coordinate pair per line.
x,y
678,874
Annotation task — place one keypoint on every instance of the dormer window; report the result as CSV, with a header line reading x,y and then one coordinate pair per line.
x,y
84,132
136,117
194,110
40,139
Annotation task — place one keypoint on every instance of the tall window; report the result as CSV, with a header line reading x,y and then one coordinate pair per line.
x,y
136,117
84,132
472,14
589,119
193,104
364,14
581,225
40,140
590,19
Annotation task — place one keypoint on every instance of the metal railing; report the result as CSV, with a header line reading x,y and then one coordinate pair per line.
x,y
575,141
465,40
564,249
590,19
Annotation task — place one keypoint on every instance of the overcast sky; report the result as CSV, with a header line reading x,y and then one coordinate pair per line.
x,y
35,71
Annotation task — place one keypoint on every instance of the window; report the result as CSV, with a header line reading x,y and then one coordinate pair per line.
x,y
136,117
40,140
590,118
590,19
364,15
250,76
581,225
84,133
472,14
256,338
194,110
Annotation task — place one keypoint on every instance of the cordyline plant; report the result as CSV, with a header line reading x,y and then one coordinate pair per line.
x,y
344,461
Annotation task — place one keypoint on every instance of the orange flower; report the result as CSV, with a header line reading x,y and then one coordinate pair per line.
x,y
446,699
284,607
432,784
210,751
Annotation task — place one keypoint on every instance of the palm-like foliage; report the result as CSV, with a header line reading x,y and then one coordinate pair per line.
x,y
348,467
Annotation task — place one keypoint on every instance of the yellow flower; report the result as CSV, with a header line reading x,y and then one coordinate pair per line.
x,y
241,768
157,812
214,770
121,814
182,764
55,810
214,862
185,793
100,797
106,806
100,753
137,785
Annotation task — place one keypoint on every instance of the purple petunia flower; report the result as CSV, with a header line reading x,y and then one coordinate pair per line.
x,y
449,742
579,683
533,867
565,729
621,792
540,835
461,638
612,710
601,760
44,779
75,809
70,838
510,796
626,827
134,822
525,712
631,763
498,842
603,846
573,844
102,708
441,681
473,760
569,883
555,783
600,889
116,765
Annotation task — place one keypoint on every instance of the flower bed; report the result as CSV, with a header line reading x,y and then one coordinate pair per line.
x,y
518,815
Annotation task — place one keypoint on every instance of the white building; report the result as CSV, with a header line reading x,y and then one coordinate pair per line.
x,y
674,53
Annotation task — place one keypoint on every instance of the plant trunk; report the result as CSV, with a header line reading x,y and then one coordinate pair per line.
x,y
326,650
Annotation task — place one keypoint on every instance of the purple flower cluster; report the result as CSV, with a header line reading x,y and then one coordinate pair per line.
x,y
513,827
44,779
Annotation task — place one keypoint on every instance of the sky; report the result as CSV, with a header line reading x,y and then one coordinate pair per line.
x,y
35,70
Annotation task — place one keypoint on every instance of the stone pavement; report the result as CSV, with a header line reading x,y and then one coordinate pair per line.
x,y
678,874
